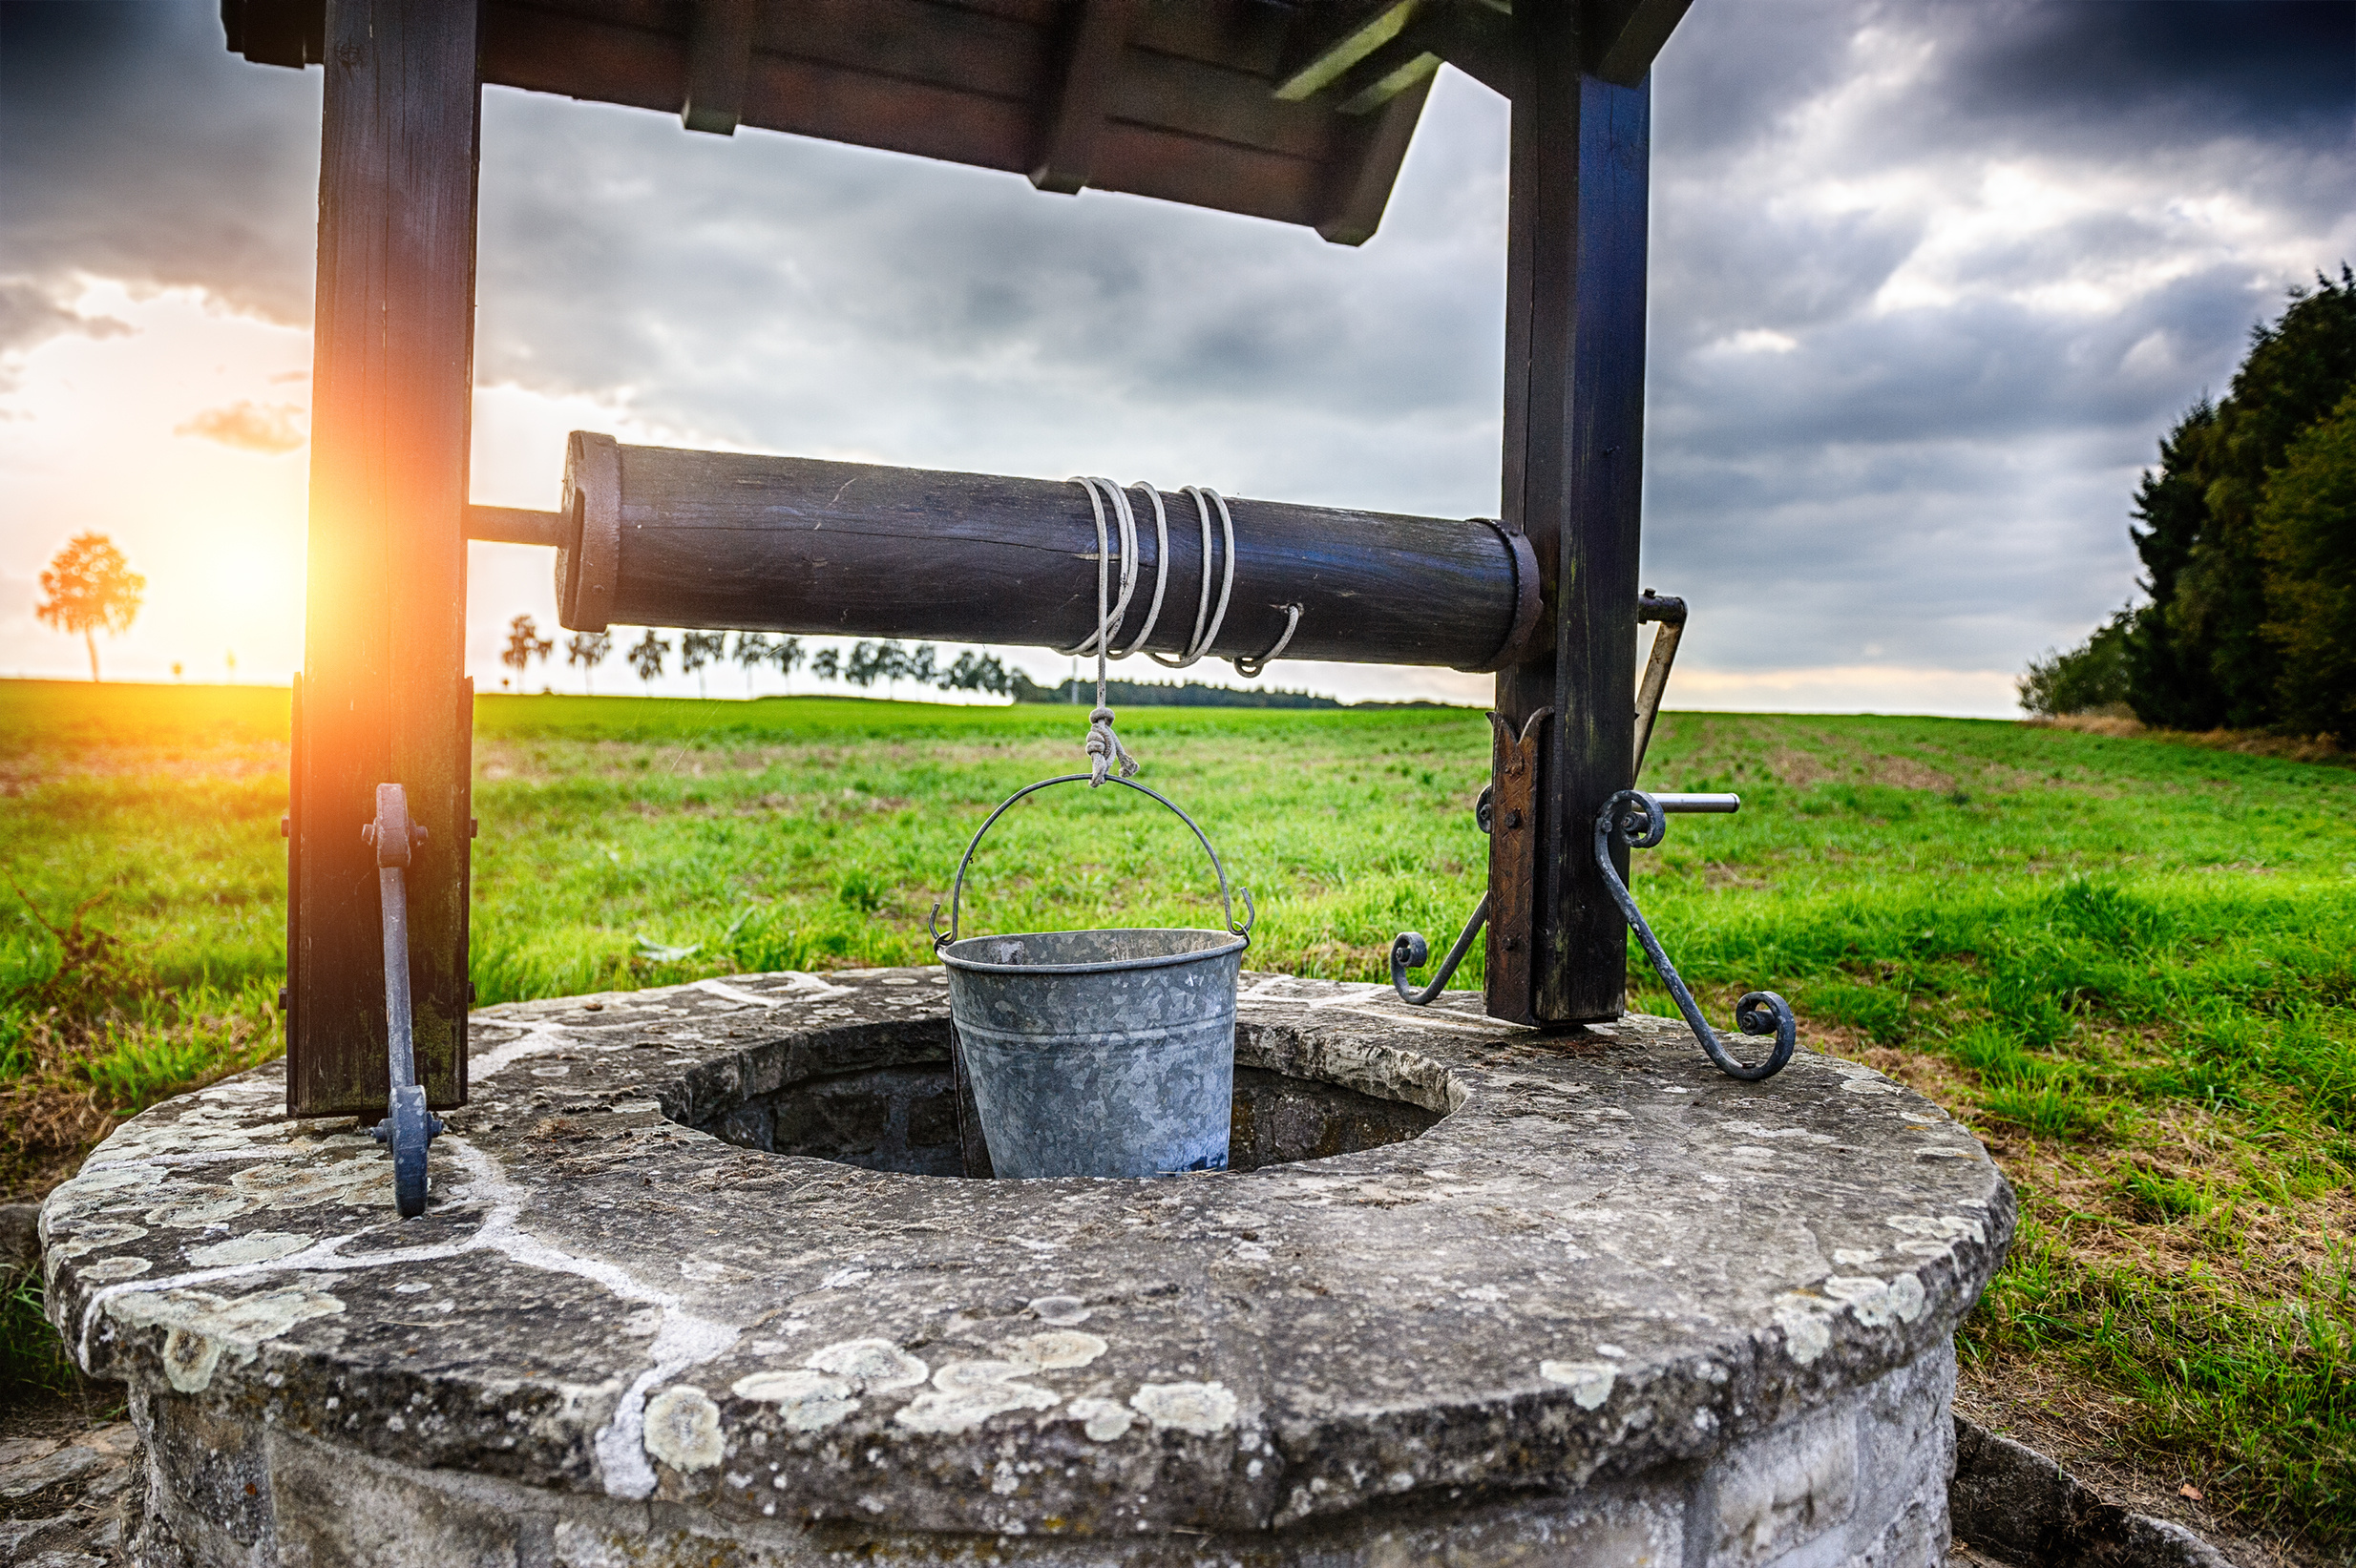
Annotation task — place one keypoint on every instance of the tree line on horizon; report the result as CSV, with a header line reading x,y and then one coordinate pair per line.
x,y
864,664
2247,537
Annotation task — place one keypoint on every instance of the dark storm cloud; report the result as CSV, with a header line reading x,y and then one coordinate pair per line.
x,y
1894,406
133,145
2172,69
1927,282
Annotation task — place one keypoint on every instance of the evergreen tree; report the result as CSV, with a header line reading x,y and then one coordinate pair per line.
x,y
2308,529
2209,649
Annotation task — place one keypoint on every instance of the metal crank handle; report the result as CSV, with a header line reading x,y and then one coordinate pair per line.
x,y
408,1128
1639,821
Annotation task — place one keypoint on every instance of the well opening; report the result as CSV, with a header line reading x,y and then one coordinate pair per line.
x,y
883,1099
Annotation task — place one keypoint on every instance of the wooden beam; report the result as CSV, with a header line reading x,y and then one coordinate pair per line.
x,y
1334,47
1098,34
1621,38
660,537
383,695
1402,63
287,32
513,525
1573,467
1475,38
719,59
1358,185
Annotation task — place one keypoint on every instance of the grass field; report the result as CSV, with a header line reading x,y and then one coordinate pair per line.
x,y
2129,964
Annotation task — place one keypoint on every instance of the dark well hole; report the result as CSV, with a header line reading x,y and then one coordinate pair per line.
x,y
840,1102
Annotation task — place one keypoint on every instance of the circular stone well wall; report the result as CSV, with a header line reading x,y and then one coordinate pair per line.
x,y
697,1284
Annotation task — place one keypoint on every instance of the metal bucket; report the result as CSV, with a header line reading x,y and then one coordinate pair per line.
x,y
1098,1053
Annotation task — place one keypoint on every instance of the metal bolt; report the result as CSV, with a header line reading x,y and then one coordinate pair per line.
x,y
474,828
1513,819
281,998
285,825
1513,944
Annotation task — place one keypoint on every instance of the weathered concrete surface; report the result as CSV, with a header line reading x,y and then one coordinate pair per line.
x,y
1611,1298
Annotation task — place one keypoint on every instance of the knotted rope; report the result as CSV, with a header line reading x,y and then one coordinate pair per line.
x,y
1104,748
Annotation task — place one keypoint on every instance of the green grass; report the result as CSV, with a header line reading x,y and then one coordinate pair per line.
x,y
2130,963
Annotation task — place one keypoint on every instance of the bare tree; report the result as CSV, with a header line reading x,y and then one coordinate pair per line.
x,y
588,650
826,663
524,644
646,657
91,588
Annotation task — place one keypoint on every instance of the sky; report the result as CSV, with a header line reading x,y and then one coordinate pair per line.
x,y
1928,282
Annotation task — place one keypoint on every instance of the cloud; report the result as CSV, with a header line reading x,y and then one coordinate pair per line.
x,y
1928,280
250,427
28,317
140,149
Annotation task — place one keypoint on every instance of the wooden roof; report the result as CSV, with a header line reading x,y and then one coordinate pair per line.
x,y
1297,111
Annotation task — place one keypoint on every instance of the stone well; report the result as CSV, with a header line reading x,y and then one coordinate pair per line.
x,y
697,1288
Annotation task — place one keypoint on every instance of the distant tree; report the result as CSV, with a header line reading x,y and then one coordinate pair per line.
x,y
2209,649
924,665
588,650
866,664
89,588
176,669
2089,678
826,663
697,649
229,660
752,651
524,644
978,673
646,657
785,653
2307,527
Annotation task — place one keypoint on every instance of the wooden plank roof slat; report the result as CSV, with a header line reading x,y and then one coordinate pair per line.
x,y
1173,101
718,56
1360,188
1092,58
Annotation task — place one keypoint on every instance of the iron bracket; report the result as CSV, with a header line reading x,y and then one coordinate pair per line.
x,y
1410,950
408,1128
1639,820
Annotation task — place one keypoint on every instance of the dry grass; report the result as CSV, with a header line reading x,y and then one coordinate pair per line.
x,y
2246,743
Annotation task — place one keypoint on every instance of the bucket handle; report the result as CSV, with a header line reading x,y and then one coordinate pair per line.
x,y
957,892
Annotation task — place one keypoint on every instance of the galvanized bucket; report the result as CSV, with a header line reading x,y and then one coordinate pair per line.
x,y
1098,1053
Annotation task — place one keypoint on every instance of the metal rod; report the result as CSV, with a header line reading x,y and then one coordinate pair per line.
x,y
1669,613
1638,820
1723,805
401,1050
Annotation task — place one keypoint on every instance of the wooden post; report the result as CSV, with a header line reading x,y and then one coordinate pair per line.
x,y
1573,464
384,696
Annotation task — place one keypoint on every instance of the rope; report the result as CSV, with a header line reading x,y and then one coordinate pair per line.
x,y
1203,638
1161,568
1249,668
1107,626
1104,747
